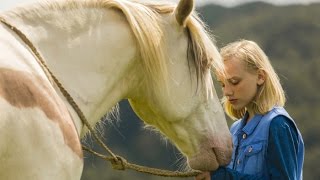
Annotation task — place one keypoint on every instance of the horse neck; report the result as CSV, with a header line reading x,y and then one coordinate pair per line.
x,y
91,53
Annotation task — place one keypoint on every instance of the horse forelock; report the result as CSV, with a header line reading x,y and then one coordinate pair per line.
x,y
146,23
203,50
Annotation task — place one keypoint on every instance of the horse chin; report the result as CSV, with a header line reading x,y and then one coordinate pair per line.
x,y
204,162
210,159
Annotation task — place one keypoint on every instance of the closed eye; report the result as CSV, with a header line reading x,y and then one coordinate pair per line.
x,y
233,81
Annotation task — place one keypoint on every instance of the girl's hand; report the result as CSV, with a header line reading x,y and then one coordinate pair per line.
x,y
203,176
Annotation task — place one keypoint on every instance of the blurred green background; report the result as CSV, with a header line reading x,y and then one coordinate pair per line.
x,y
290,36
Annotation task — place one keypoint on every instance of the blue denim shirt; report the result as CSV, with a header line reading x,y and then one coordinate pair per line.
x,y
268,147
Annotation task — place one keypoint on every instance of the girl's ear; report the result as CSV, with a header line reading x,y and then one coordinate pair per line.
x,y
261,76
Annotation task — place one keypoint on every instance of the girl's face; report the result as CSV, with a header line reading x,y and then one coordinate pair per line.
x,y
241,84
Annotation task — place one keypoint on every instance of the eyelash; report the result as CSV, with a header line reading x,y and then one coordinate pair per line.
x,y
233,83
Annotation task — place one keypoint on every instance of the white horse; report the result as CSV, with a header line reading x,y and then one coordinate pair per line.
x,y
158,56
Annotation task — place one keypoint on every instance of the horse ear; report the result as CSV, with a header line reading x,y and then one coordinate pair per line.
x,y
183,10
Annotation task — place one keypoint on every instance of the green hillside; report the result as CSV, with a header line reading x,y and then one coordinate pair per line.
x,y
290,36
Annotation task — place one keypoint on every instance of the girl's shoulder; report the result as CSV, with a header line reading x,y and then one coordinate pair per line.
x,y
282,124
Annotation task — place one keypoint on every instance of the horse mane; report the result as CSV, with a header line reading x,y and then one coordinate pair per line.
x,y
145,21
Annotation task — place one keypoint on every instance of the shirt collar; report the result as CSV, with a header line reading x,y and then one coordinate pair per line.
x,y
251,125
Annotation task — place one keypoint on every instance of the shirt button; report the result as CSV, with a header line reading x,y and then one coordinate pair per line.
x,y
250,150
244,136
238,162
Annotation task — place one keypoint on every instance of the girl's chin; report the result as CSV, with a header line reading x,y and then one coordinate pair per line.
x,y
237,107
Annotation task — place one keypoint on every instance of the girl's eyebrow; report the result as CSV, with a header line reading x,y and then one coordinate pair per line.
x,y
229,79
233,78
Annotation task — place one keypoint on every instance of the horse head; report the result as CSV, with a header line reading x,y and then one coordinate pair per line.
x,y
186,108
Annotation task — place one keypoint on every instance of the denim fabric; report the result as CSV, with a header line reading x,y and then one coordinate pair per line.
x,y
268,147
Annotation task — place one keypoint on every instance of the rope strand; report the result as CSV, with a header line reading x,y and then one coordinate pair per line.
x,y
144,169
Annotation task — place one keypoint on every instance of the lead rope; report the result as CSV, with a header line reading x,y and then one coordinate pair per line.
x,y
117,162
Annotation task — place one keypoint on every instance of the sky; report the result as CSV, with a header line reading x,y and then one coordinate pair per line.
x,y
7,4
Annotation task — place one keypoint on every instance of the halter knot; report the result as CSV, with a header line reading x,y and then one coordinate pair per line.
x,y
119,163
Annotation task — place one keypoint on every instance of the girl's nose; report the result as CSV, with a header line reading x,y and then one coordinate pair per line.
x,y
227,90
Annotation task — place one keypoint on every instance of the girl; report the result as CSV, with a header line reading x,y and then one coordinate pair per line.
x,y
266,142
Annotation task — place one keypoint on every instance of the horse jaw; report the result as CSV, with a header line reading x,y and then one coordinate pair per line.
x,y
209,146
213,147
201,135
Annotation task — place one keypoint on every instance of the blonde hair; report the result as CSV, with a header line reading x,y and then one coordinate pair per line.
x,y
146,22
270,93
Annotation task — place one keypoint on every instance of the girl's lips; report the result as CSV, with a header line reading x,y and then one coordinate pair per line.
x,y
232,101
